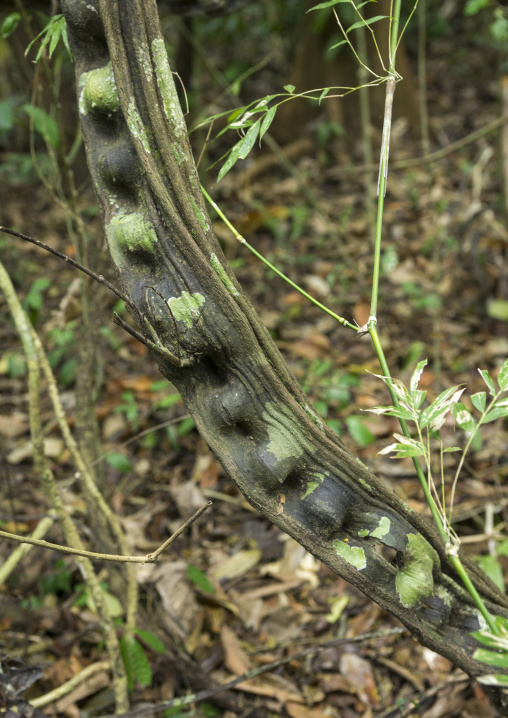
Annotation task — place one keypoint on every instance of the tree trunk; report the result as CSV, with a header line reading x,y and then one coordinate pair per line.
x,y
208,341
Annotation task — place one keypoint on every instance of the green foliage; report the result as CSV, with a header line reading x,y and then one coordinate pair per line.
x,y
119,462
51,34
9,24
6,116
137,665
496,653
60,355
84,599
359,431
150,640
429,421
199,579
13,364
44,124
130,409
491,566
34,299
59,581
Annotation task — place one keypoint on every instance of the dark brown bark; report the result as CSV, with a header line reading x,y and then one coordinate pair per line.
x,y
210,343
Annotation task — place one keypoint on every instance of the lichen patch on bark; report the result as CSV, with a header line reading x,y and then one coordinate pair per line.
x,y
130,233
221,272
136,126
98,90
414,580
187,307
167,87
355,555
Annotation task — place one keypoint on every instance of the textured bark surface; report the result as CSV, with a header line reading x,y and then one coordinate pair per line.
x,y
209,342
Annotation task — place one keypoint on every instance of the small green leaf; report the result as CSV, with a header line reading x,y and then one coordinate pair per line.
x,y
502,378
150,640
491,566
399,411
135,660
435,413
338,44
449,449
491,680
119,462
488,380
479,400
232,117
418,398
415,378
199,579
463,417
248,141
186,426
498,309
323,94
497,412
474,6
408,452
267,121
43,123
359,431
228,164
9,24
368,21
499,660
6,116
289,88
330,3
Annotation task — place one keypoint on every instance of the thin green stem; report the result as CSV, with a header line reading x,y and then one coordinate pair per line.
x,y
243,241
457,563
466,449
394,34
383,175
405,430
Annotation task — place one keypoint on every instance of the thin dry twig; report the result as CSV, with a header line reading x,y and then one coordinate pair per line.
x,y
149,558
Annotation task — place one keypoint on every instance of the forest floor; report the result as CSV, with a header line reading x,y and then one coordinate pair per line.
x,y
233,593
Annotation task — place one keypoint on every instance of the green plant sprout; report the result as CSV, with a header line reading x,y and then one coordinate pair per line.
x,y
52,33
429,421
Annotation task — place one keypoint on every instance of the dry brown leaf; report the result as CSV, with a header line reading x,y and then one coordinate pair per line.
x,y
237,565
236,660
272,686
13,425
359,673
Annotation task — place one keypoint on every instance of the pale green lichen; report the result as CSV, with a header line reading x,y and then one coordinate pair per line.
x,y
187,307
380,531
178,153
414,580
167,87
136,127
98,90
200,215
355,555
144,60
364,483
313,416
312,485
221,272
283,442
130,233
